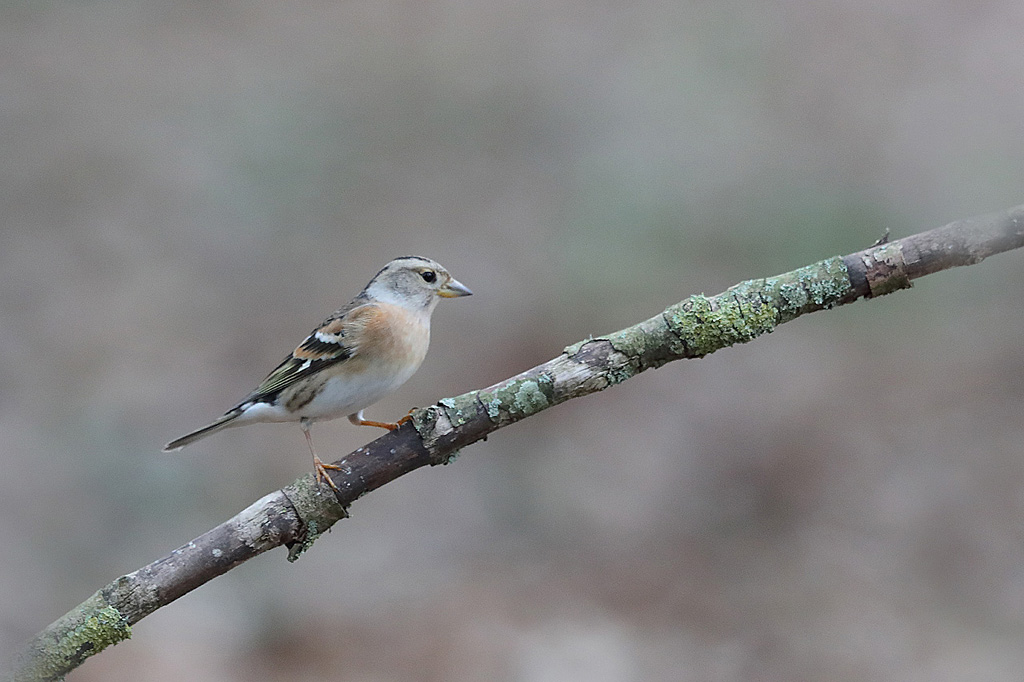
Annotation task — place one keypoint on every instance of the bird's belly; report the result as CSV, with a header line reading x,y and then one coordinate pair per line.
x,y
342,396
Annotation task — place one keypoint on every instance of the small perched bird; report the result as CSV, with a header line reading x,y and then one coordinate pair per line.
x,y
359,354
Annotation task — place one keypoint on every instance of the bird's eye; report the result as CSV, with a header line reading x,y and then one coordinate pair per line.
x,y
429,276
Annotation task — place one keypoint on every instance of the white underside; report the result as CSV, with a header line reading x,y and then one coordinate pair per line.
x,y
340,397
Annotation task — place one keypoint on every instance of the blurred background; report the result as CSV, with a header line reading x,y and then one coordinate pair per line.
x,y
187,189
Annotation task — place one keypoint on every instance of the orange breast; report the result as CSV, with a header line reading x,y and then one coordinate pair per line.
x,y
393,335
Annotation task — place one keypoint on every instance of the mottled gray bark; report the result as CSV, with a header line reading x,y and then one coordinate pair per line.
x,y
299,513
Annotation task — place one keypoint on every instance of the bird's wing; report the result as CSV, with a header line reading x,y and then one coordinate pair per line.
x,y
334,341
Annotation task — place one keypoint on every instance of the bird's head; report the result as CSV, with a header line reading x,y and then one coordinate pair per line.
x,y
414,282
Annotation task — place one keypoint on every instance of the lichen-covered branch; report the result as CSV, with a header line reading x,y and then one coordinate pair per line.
x,y
297,514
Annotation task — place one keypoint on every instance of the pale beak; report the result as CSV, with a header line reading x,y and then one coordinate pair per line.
x,y
453,289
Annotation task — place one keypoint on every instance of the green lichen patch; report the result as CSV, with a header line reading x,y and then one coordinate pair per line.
x,y
104,627
513,400
631,341
791,298
828,283
461,408
707,324
813,287
493,404
701,324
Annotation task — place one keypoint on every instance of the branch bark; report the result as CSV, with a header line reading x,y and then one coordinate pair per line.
x,y
298,514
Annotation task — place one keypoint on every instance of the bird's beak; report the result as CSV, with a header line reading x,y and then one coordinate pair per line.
x,y
453,289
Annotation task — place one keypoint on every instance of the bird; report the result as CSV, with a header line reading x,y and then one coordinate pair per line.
x,y
359,354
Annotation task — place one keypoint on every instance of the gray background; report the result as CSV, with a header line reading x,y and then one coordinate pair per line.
x,y
186,189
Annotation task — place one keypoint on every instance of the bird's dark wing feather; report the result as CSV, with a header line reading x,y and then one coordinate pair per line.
x,y
327,345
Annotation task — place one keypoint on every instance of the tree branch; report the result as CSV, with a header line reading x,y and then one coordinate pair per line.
x,y
297,514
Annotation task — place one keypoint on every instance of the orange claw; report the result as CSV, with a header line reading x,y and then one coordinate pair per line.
x,y
321,472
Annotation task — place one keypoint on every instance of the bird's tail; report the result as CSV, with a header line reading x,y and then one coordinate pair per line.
x,y
222,423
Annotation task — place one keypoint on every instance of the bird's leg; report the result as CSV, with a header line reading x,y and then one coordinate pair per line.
x,y
318,466
358,420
